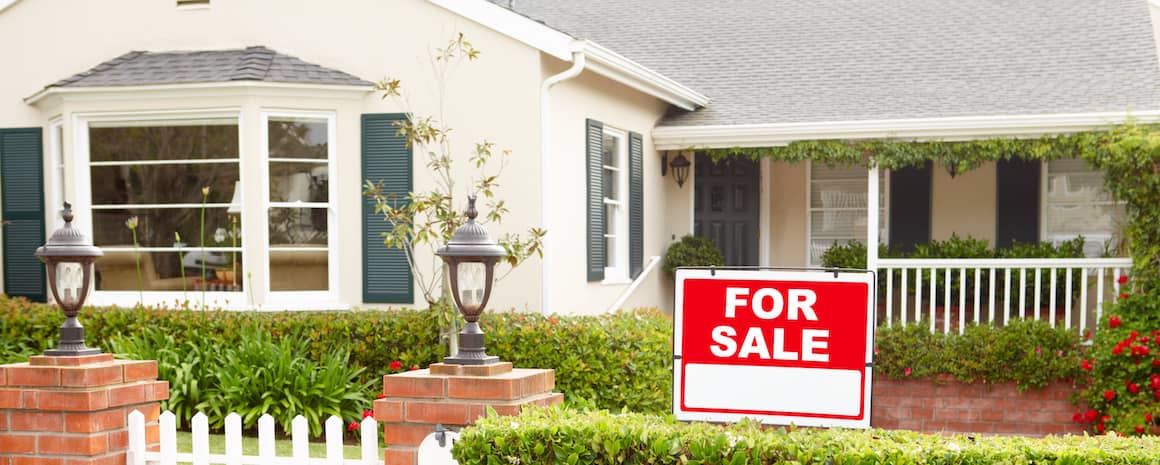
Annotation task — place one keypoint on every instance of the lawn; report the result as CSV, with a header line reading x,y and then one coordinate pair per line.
x,y
282,448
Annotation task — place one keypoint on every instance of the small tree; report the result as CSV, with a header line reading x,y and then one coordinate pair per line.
x,y
428,218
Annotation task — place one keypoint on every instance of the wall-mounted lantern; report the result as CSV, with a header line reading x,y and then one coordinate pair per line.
x,y
680,166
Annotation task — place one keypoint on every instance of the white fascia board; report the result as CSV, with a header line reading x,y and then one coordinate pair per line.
x,y
917,129
561,45
4,4
514,25
630,73
199,89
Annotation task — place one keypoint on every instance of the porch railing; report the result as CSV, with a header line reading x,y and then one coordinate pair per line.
x,y
948,293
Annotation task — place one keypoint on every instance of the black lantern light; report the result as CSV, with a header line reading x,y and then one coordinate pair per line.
x,y
471,256
69,257
680,166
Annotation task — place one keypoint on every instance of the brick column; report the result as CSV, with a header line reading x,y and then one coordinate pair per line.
x,y
454,396
74,410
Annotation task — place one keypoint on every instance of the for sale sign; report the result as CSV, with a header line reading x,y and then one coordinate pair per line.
x,y
780,346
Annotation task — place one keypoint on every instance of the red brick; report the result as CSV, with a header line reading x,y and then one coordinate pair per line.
x,y
990,414
119,440
91,422
72,444
28,398
967,427
33,376
511,386
389,410
413,385
406,434
451,413
9,398
140,370
127,395
36,422
90,376
37,461
73,401
3,382
48,360
15,443
400,456
159,390
480,410
152,433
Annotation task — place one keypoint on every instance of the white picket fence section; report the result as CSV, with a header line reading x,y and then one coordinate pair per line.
x,y
168,455
998,290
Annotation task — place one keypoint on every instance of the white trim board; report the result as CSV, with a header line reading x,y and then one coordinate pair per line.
x,y
950,129
197,89
561,46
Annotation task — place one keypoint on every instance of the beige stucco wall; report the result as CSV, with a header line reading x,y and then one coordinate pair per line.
x,y
787,187
964,204
494,98
666,206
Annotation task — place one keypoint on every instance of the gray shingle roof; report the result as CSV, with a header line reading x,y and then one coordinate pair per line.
x,y
781,61
249,64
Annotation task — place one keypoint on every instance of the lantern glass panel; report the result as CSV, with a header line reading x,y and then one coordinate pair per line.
x,y
472,284
69,282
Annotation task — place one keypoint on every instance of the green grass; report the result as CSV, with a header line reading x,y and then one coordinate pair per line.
x,y
282,447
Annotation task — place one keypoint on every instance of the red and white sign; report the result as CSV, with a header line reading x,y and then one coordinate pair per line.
x,y
785,347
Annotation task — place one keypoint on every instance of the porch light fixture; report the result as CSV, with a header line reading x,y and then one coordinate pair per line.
x,y
69,257
471,256
680,166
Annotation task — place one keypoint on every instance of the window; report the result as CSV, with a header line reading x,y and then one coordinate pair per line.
x,y
299,154
150,175
56,141
837,208
614,182
1075,203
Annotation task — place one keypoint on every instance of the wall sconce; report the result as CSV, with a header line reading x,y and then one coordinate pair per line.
x,y
680,166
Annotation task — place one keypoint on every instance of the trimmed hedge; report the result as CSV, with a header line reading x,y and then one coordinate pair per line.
x,y
614,361
568,437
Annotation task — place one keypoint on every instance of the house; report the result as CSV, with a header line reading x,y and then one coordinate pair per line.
x,y
128,109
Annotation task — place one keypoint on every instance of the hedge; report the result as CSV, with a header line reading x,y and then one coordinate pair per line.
x,y
569,437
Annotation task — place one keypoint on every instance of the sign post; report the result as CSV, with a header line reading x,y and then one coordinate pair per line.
x,y
784,347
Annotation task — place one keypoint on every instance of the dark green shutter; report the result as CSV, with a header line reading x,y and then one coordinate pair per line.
x,y
1017,202
22,211
910,204
386,159
595,148
635,204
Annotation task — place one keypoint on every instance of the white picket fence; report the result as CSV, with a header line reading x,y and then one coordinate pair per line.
x,y
1066,291
168,455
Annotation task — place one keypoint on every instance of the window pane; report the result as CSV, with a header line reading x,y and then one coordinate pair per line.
x,y
298,138
162,271
299,182
609,183
298,226
198,140
299,270
610,219
161,184
610,145
156,227
1078,204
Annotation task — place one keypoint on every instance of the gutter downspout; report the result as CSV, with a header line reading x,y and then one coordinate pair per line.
x,y
546,173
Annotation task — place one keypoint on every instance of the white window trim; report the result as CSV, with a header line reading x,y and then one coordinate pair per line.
x,y
84,204
57,176
283,300
619,274
884,206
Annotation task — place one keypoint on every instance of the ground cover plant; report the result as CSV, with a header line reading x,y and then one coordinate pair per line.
x,y
570,437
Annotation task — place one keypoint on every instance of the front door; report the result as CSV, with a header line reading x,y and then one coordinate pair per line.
x,y
726,206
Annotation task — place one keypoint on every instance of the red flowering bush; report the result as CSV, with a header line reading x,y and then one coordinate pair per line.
x,y
1124,393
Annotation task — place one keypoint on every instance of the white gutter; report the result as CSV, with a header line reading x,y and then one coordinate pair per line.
x,y
630,73
652,264
546,174
950,129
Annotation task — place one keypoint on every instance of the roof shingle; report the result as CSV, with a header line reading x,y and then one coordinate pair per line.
x,y
249,64
783,61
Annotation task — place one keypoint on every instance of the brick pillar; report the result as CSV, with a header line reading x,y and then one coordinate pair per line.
x,y
455,396
74,410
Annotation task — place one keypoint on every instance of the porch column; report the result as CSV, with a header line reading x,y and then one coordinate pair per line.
x,y
872,219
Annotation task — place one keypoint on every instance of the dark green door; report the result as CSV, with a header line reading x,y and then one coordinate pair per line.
x,y
726,207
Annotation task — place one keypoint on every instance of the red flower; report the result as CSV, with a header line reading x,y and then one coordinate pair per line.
x,y
1156,362
1100,428
1148,417
1124,295
381,396
1087,335
1114,322
352,426
368,414
1123,279
1086,365
1117,350
414,367
1133,388
1156,393
397,365
1090,415
1139,430
1078,417
906,372
1109,394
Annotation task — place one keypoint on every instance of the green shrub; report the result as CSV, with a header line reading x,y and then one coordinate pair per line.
x,y
1030,353
692,251
561,436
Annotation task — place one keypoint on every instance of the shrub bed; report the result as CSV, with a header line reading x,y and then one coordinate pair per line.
x,y
560,436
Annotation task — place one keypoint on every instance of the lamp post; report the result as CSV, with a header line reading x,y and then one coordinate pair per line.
x,y
69,257
471,256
